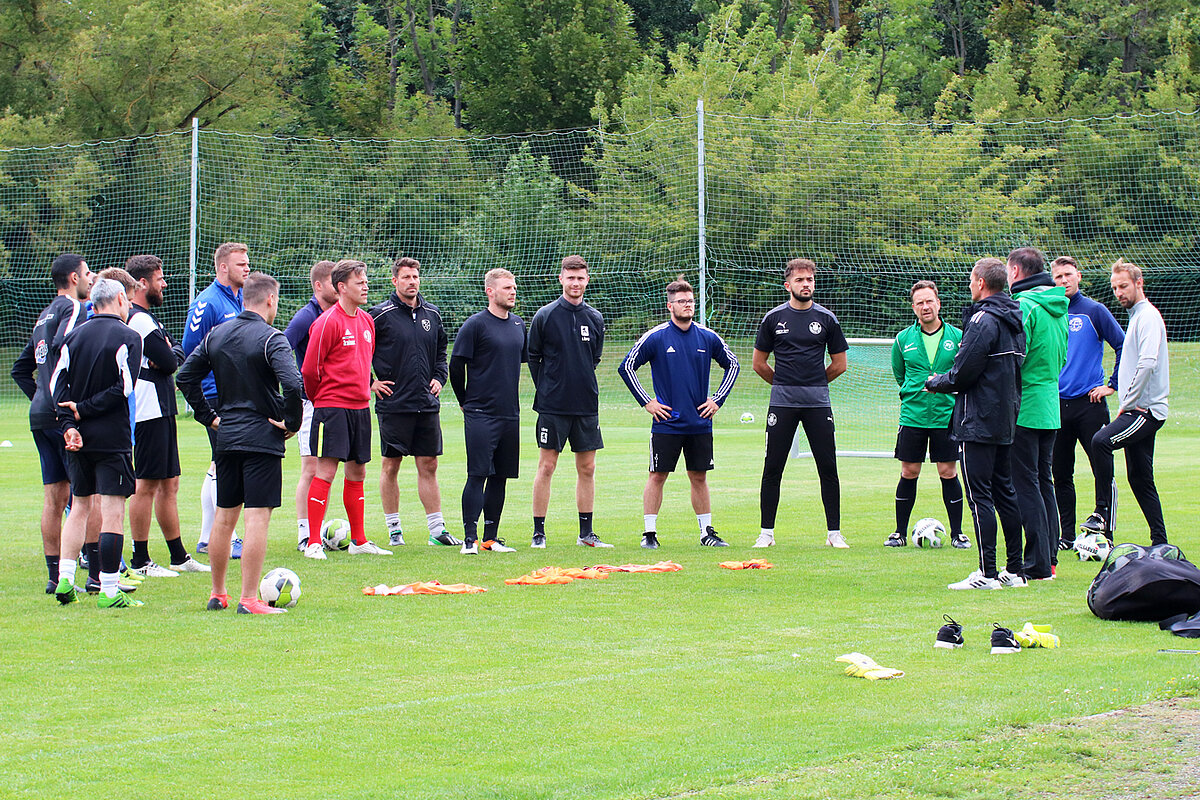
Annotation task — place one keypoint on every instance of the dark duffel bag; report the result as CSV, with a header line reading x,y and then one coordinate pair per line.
x,y
1145,584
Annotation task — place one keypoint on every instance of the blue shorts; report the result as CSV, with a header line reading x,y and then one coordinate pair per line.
x,y
52,452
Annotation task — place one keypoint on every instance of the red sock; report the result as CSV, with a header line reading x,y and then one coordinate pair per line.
x,y
318,496
355,502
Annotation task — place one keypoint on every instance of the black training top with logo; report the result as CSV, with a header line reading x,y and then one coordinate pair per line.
x,y
492,350
799,340
565,345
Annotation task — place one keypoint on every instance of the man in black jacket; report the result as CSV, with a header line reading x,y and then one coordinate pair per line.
x,y
31,371
91,385
250,362
566,340
410,370
987,379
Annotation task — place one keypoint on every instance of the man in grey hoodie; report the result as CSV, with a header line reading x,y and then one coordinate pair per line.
x,y
1143,384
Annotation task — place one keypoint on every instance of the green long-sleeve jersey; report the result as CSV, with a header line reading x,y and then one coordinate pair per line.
x,y
911,366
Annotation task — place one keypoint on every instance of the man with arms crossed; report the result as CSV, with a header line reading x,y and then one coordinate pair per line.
x,y
337,378
566,340
31,371
986,379
250,362
799,333
925,348
91,385
1143,385
410,371
324,296
680,353
1082,408
1044,315
485,373
220,302
155,441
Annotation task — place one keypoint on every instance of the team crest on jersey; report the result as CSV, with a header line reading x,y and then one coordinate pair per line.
x,y
39,352
1076,324
425,324
348,338
771,420
814,327
947,345
584,333
367,336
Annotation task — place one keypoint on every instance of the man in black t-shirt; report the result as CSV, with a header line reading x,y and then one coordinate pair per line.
x,y
485,372
799,333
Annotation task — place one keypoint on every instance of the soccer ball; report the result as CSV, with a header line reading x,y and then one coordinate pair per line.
x,y
747,417
1093,547
928,532
335,534
280,588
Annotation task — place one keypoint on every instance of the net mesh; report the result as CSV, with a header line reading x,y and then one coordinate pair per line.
x,y
877,206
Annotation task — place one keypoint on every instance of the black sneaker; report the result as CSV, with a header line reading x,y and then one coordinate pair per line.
x,y
1066,544
650,540
50,586
896,539
1094,524
1003,640
960,541
949,636
710,538
539,541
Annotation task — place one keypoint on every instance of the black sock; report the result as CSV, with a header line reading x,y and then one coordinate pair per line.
x,y
585,524
109,547
141,554
52,567
93,555
493,506
472,505
952,496
179,553
906,498
539,525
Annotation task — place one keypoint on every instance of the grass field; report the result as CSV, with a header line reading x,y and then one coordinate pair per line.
x,y
703,683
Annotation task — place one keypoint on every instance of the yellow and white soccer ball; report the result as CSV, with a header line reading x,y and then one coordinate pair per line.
x,y
335,534
928,532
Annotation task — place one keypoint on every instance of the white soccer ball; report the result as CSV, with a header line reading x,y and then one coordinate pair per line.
x,y
928,532
747,417
335,534
1093,547
280,588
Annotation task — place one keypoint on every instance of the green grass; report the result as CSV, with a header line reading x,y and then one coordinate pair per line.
x,y
705,683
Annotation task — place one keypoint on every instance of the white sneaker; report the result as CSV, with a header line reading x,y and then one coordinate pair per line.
x,y
191,565
470,547
497,546
315,550
152,570
1012,579
767,540
976,580
835,539
368,548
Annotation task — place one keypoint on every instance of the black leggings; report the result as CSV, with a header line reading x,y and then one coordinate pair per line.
x,y
819,430
1134,432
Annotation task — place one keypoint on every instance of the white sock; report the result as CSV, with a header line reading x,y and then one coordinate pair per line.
x,y
705,521
302,530
108,584
66,569
393,522
651,524
208,505
435,522
768,532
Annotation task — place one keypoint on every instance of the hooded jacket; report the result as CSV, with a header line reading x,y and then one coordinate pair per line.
x,y
986,372
1044,314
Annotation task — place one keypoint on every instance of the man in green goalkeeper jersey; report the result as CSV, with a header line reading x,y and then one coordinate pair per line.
x,y
924,348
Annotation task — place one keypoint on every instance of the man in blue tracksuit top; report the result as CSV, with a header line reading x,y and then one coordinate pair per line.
x,y
220,302
1081,391
679,352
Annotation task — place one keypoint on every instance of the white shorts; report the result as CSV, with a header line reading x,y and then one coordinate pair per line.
x,y
305,426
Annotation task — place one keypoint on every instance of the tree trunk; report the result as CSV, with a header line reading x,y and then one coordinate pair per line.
x,y
835,12
391,53
426,79
453,47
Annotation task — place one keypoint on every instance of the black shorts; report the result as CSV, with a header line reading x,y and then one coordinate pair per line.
x,y
341,433
913,443
52,452
410,434
100,473
493,445
583,431
253,480
156,449
697,449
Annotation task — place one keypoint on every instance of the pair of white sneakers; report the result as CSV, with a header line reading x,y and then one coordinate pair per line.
x,y
833,539
316,550
977,580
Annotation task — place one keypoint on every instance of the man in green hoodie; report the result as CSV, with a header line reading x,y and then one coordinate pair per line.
x,y
1044,316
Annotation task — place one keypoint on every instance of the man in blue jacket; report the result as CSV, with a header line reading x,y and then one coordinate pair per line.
x,y
1082,389
680,353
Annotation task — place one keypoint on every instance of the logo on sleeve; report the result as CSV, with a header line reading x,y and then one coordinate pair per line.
x,y
814,328
39,352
